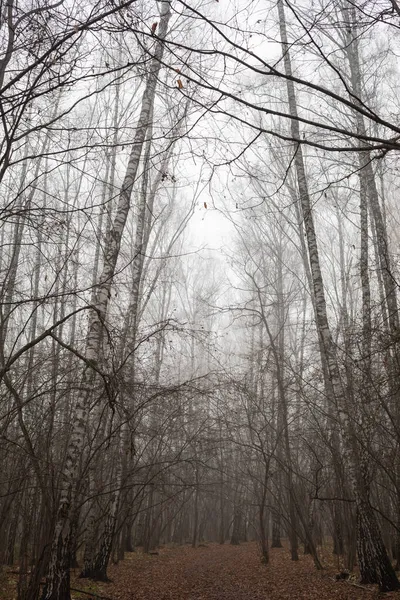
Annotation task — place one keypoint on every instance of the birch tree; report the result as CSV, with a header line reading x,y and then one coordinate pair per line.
x,y
374,563
57,583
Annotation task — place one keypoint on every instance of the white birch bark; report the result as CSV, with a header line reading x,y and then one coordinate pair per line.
x,y
369,196
372,553
103,228
57,583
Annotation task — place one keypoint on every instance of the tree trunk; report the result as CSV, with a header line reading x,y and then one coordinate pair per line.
x,y
375,559
57,583
276,529
236,527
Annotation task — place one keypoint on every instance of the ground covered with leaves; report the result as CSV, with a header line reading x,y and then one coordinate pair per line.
x,y
215,572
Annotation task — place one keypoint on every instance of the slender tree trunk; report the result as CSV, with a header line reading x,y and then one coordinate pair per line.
x,y
196,509
237,525
262,517
57,584
99,565
374,558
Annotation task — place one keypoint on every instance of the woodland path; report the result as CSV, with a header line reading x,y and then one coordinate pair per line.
x,y
226,572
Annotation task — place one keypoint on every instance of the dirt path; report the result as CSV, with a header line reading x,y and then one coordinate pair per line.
x,y
225,573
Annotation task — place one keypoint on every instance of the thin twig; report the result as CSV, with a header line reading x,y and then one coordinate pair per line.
x,y
91,594
362,587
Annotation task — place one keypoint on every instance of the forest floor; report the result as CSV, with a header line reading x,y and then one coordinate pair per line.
x,y
215,572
